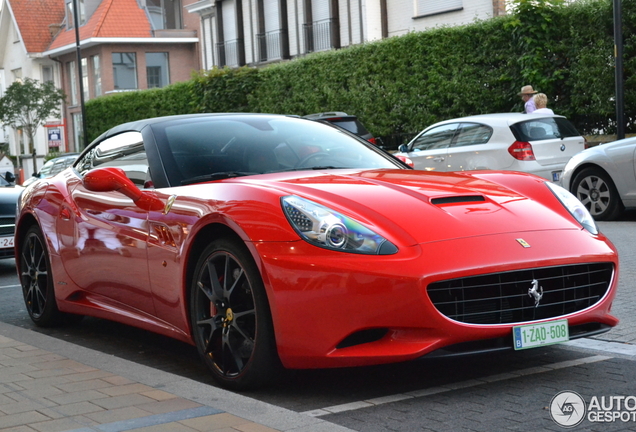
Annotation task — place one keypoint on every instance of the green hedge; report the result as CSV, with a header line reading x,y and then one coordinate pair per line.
x,y
401,84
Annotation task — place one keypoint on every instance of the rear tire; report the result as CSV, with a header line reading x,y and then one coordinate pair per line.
x,y
230,317
596,190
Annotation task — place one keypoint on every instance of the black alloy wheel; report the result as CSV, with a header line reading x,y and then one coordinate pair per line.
x,y
37,281
230,317
596,190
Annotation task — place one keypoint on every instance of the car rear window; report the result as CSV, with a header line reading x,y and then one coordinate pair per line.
x,y
543,129
352,125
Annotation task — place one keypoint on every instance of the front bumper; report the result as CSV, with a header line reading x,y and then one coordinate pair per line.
x,y
333,309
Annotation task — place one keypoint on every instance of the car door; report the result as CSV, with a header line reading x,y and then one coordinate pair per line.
x,y
429,150
103,235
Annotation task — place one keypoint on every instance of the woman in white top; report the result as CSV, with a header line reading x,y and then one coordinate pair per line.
x,y
541,102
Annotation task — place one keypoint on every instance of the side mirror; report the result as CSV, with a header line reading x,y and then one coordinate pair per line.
x,y
403,148
9,176
115,180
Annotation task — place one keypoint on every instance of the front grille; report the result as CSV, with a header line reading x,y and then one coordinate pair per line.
x,y
7,227
502,298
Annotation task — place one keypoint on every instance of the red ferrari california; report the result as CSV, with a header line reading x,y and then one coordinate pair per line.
x,y
272,241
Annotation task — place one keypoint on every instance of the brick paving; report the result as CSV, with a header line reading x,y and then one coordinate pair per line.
x,y
48,385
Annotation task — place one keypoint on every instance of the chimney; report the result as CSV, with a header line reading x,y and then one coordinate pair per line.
x,y
55,29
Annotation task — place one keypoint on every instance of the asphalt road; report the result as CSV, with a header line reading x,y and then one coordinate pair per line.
x,y
509,391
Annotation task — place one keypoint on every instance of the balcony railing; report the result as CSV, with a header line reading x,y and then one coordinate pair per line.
x,y
228,52
270,45
318,36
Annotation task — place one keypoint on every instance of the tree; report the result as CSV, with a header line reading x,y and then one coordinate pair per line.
x,y
27,104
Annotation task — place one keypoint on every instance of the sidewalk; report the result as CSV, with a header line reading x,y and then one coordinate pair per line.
x,y
49,385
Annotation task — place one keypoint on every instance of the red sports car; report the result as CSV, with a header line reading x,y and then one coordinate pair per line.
x,y
269,241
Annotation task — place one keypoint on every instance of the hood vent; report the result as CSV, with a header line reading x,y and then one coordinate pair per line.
x,y
458,199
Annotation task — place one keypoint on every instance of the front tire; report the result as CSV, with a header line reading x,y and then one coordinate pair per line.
x,y
596,190
230,317
37,281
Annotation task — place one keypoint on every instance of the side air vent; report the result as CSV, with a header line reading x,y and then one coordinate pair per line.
x,y
458,199
363,336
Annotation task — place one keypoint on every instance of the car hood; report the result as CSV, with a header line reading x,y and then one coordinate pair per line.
x,y
428,207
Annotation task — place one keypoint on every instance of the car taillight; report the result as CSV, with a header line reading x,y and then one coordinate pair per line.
x,y
521,150
406,160
372,141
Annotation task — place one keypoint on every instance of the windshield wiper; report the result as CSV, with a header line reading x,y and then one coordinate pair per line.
x,y
313,168
217,176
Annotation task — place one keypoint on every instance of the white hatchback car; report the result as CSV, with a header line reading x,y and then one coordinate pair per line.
x,y
540,144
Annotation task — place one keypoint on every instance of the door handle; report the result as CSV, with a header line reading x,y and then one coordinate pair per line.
x,y
438,159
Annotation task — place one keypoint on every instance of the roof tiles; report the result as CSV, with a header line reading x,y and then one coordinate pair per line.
x,y
33,18
112,19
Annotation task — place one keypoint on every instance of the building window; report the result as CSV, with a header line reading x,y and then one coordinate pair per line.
x,y
17,74
207,39
72,84
85,78
157,71
125,71
321,27
70,19
47,74
431,7
19,137
164,14
77,131
97,77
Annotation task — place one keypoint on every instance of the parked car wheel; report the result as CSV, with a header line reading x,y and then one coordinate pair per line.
x,y
37,280
230,317
595,189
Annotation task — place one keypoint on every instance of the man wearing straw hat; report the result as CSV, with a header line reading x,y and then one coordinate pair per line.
x,y
526,94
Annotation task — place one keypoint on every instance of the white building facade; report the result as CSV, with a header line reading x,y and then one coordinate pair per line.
x,y
16,63
255,32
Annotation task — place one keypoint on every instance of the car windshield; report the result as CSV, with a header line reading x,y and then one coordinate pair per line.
x,y
212,148
46,168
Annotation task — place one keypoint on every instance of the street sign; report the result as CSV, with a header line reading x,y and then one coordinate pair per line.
x,y
55,137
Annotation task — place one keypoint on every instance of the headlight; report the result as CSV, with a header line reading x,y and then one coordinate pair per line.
x,y
575,207
326,228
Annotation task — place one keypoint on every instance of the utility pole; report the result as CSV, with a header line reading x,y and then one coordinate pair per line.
x,y
80,76
618,73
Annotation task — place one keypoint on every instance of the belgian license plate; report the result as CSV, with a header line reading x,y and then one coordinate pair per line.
x,y
6,242
542,334
556,176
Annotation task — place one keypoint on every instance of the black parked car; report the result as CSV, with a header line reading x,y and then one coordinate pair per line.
x,y
9,194
345,121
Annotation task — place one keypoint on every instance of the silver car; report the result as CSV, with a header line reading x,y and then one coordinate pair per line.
x,y
603,178
52,167
540,144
